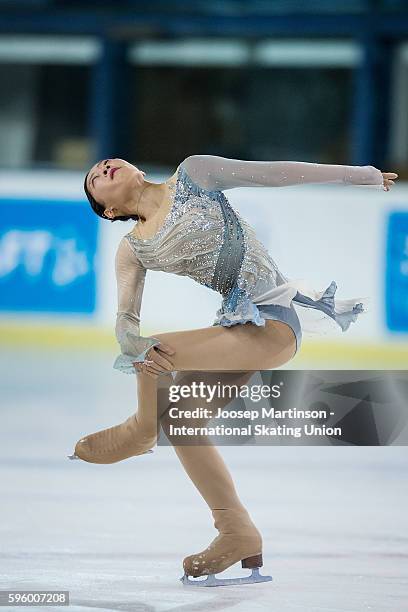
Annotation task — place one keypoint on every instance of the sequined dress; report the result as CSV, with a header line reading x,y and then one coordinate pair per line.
x,y
205,238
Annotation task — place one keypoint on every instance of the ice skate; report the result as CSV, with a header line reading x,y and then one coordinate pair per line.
x,y
211,580
115,443
238,540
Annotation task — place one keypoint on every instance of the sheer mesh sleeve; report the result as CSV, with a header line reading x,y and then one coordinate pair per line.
x,y
212,172
130,279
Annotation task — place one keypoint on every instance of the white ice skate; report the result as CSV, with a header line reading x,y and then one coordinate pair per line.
x,y
212,581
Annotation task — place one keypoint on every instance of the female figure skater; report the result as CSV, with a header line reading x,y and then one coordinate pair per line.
x,y
187,226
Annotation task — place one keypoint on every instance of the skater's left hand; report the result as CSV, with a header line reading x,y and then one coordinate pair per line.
x,y
388,176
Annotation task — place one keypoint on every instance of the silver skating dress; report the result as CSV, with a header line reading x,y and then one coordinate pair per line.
x,y
205,238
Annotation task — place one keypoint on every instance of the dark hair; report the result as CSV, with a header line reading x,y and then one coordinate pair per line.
x,y
99,209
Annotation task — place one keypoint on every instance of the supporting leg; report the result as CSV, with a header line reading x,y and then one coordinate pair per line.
x,y
238,539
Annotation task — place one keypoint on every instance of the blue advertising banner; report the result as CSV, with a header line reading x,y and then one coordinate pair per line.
x,y
396,275
47,252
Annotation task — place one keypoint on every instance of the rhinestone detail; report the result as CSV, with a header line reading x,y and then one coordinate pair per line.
x,y
200,226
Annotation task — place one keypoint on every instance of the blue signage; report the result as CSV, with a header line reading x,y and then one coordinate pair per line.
x,y
396,273
47,252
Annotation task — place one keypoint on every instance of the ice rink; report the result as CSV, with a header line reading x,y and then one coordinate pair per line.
x,y
334,519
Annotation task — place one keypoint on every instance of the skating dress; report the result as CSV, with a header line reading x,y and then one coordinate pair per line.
x,y
205,238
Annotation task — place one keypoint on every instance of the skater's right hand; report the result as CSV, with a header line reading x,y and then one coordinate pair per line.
x,y
388,179
156,363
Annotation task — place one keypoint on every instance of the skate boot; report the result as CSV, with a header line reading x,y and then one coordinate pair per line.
x,y
115,443
238,540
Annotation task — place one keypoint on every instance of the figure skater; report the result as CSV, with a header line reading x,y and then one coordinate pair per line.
x,y
187,226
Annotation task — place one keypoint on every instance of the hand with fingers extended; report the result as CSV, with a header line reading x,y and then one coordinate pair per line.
x,y
156,362
388,179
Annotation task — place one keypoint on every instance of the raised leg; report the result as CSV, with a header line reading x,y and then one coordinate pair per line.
x,y
135,436
239,348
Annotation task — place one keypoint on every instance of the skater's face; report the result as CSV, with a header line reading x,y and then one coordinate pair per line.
x,y
112,183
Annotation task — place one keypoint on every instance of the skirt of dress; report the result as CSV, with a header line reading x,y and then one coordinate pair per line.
x,y
323,312
286,314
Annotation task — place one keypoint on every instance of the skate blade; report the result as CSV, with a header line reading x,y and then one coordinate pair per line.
x,y
212,581
74,456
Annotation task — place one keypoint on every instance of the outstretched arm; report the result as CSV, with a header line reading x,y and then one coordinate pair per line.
x,y
130,279
212,172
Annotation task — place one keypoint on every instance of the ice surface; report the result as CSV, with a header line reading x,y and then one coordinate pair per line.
x,y
333,519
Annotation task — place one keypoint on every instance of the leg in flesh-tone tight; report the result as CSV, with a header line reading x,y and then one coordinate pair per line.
x,y
218,354
238,537
135,436
226,349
